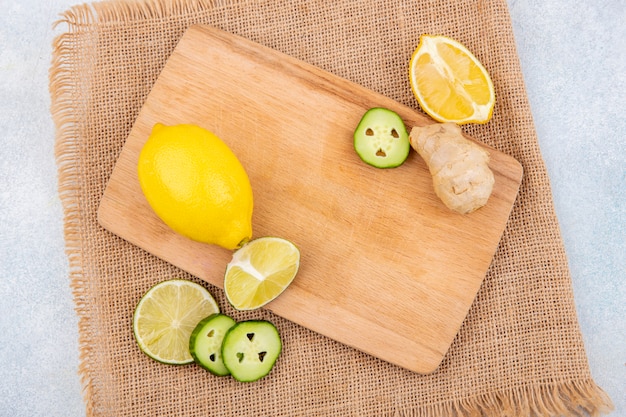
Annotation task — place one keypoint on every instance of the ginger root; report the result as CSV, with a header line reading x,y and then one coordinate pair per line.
x,y
461,175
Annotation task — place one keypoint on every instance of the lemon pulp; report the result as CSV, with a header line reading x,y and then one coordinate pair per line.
x,y
449,82
260,271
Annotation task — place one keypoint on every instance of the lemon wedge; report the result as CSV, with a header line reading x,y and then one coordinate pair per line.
x,y
260,271
449,82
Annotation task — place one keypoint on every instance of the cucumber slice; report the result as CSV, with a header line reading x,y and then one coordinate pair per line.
x,y
381,138
205,343
250,349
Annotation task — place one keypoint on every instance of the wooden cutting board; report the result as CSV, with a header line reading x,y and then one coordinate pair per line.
x,y
385,267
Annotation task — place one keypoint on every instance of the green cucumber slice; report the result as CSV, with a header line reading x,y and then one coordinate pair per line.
x,y
381,138
250,349
205,343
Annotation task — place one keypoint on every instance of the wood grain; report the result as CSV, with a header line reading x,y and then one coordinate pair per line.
x,y
386,268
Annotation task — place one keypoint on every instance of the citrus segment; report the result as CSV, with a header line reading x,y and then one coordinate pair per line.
x,y
165,317
449,82
260,271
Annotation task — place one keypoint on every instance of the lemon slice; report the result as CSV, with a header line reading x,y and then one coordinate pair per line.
x,y
165,317
260,271
449,83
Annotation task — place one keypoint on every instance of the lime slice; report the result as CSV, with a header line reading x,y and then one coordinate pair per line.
x,y
165,317
260,271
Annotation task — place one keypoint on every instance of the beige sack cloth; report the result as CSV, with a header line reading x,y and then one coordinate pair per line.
x,y
518,353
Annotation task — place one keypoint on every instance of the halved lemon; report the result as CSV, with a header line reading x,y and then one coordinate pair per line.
x,y
165,317
449,82
260,271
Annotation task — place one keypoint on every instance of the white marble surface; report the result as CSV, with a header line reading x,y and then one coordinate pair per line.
x,y
573,56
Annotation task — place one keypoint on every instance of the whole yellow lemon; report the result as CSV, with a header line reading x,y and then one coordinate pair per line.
x,y
196,185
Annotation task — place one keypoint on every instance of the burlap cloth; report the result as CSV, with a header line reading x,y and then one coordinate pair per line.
x,y
518,353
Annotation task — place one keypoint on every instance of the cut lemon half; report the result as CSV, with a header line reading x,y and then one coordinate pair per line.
x,y
260,271
165,317
449,83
